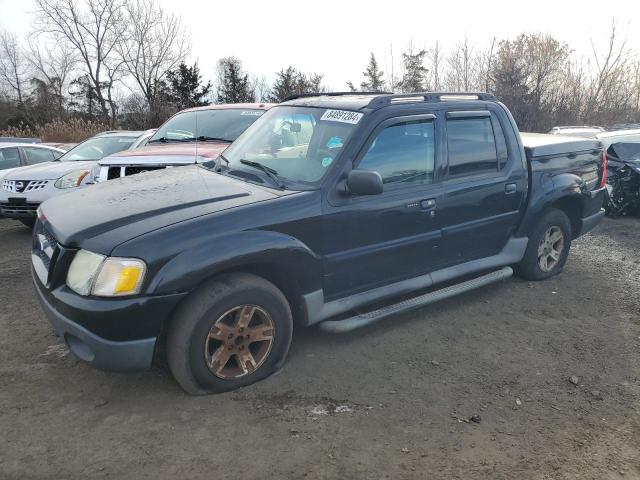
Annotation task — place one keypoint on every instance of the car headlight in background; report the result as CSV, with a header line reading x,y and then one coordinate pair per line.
x,y
71,179
93,274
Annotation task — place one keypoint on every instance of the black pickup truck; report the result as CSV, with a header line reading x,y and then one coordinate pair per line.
x,y
332,209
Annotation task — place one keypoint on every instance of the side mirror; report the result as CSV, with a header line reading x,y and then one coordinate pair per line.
x,y
364,182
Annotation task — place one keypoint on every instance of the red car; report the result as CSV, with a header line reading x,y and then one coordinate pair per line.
x,y
190,136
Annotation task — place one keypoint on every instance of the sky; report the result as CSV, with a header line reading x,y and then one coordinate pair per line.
x,y
335,37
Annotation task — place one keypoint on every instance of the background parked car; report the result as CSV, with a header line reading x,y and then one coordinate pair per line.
x,y
14,155
577,131
623,169
190,136
24,189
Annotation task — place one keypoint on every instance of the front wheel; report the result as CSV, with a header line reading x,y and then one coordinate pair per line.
x,y
233,331
548,247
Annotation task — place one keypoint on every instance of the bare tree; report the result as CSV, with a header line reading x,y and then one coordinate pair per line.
x,y
486,61
462,71
53,65
609,90
153,43
13,66
93,28
434,56
260,87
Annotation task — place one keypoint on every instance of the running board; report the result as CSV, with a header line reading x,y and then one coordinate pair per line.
x,y
363,319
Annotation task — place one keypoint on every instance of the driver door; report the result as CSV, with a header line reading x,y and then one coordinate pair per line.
x,y
376,240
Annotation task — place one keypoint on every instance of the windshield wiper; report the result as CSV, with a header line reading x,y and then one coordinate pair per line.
x,y
204,138
157,140
270,172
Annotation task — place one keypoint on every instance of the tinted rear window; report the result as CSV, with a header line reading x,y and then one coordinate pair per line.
x,y
471,145
9,158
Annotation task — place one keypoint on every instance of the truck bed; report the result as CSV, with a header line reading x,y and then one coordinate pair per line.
x,y
550,153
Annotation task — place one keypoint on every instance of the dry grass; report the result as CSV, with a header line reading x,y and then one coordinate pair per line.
x,y
69,131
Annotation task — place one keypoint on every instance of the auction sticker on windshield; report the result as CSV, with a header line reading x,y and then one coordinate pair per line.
x,y
343,116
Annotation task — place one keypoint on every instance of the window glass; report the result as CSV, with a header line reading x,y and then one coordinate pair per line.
x,y
299,144
403,153
501,143
9,158
471,145
97,147
38,155
216,124
625,147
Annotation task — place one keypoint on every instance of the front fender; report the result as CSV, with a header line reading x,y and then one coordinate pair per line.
x,y
192,267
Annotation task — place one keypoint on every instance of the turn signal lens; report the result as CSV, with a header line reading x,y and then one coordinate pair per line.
x,y
119,277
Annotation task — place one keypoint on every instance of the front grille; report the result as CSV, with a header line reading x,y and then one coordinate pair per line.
x,y
23,186
43,252
113,172
20,209
135,170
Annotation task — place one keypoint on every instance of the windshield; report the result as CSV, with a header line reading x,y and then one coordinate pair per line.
x,y
298,144
625,147
221,125
97,147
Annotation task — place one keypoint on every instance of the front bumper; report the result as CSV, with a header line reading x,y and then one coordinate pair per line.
x,y
18,209
85,324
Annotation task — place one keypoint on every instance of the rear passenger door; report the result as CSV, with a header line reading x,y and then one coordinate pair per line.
x,y
485,185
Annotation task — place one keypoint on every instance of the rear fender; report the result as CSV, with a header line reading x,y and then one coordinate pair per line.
x,y
554,191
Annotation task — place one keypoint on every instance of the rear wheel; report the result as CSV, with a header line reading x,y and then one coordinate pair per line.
x,y
548,247
231,332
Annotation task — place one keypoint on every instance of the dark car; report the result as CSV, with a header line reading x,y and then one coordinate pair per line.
x,y
334,209
623,179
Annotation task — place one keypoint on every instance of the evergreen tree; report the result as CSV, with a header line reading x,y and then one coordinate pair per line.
x,y
373,77
185,88
290,81
233,83
415,72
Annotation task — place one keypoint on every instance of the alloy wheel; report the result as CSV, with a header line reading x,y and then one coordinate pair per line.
x,y
239,342
550,249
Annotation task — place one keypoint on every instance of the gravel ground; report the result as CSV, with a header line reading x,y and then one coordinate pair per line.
x,y
390,401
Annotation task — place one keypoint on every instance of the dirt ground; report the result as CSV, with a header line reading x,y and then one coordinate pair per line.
x,y
390,401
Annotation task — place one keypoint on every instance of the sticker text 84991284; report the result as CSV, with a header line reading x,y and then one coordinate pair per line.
x,y
343,116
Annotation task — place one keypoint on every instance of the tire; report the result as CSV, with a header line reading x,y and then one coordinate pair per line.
x,y
198,338
552,223
28,222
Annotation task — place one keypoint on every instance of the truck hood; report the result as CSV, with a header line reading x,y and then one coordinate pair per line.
x,y
167,154
102,217
47,170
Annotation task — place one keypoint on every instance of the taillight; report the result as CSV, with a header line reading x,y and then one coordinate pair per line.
x,y
603,180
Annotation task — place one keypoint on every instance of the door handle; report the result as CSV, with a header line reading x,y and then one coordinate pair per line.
x,y
510,188
429,204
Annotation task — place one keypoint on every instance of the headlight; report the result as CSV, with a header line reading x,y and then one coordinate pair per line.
x,y
72,179
83,271
102,276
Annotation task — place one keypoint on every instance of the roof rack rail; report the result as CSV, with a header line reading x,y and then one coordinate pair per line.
x,y
428,97
331,94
